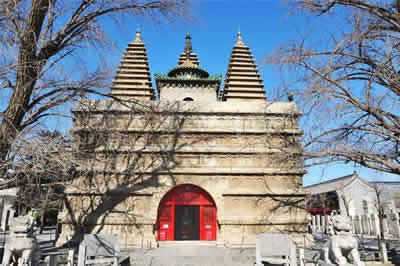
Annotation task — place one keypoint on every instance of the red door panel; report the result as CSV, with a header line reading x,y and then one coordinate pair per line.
x,y
187,195
208,223
166,223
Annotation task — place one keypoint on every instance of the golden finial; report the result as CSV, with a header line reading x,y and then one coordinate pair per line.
x,y
239,41
138,38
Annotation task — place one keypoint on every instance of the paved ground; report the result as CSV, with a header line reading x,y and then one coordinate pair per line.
x,y
190,255
47,239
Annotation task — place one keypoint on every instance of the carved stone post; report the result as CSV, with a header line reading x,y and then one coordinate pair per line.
x,y
318,220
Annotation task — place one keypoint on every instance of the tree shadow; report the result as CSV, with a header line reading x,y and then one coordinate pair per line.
x,y
120,151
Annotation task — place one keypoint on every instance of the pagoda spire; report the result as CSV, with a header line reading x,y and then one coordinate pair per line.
x,y
138,38
188,51
133,80
188,44
239,41
242,80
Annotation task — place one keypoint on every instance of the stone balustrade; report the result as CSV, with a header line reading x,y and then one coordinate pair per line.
x,y
366,224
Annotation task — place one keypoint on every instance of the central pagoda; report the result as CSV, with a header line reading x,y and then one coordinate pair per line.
x,y
188,81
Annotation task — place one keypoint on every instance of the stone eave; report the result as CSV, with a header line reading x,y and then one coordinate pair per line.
x,y
193,131
196,151
246,97
240,87
241,47
294,194
208,171
129,87
119,111
136,95
212,108
132,80
118,192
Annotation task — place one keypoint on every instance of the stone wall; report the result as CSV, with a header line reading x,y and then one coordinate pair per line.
x,y
246,156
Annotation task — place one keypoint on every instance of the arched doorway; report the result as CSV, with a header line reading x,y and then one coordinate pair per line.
x,y
187,212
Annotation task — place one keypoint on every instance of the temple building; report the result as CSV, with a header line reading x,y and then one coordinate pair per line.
x,y
353,196
197,158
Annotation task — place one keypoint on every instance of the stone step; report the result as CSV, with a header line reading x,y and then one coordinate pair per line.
x,y
192,261
186,243
191,256
189,261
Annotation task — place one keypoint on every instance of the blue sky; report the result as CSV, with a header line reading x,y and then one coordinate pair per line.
x,y
265,24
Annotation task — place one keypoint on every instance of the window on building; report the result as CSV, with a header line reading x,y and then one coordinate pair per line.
x,y
188,99
365,206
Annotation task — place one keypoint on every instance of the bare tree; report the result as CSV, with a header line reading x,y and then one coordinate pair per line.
x,y
348,84
39,38
39,173
379,206
118,149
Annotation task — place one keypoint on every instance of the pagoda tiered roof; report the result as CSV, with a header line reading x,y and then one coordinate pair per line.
x,y
133,79
188,76
188,72
242,80
188,50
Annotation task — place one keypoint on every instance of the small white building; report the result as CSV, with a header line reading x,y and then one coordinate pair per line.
x,y
390,193
351,195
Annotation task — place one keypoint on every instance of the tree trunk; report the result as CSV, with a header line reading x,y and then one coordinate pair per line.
x,y
382,236
27,75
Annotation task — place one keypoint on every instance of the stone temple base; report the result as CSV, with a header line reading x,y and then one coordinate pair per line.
x,y
144,236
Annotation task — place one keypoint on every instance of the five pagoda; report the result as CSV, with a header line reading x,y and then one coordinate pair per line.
x,y
222,165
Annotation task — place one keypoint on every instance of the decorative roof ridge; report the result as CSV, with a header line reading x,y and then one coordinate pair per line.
x,y
189,67
209,78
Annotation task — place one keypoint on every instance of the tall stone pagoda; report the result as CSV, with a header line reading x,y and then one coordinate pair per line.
x,y
242,81
195,163
133,80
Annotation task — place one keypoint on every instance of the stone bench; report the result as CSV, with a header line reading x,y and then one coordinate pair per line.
x,y
275,249
99,249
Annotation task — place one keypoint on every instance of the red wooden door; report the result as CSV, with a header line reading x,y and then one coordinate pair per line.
x,y
166,223
207,223
187,195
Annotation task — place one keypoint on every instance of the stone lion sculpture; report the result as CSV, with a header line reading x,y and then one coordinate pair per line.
x,y
341,243
22,245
